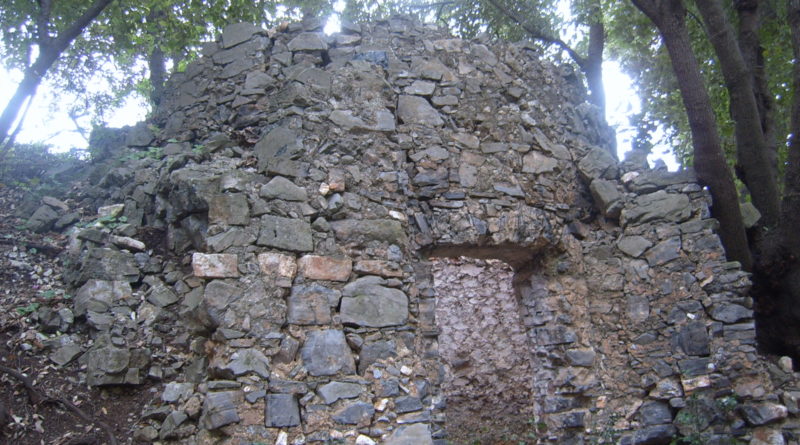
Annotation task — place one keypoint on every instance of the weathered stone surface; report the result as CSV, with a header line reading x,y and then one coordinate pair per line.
x,y
229,209
219,409
215,265
386,269
372,352
598,164
326,352
414,434
42,219
634,245
100,296
277,268
106,264
282,188
538,163
316,267
654,206
656,434
407,404
652,180
279,143
351,230
308,41
161,296
694,339
355,413
655,413
139,135
177,392
730,313
237,33
606,197
379,120
366,302
310,305
763,413
282,410
249,360
580,357
416,110
286,233
65,354
171,423
333,391
664,252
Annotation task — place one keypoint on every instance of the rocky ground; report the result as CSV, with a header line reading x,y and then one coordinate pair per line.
x,y
42,402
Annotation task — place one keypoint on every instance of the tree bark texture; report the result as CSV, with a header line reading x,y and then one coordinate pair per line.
x,y
749,15
751,146
791,189
669,16
49,51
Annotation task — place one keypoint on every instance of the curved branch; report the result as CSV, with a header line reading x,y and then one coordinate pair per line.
x,y
541,35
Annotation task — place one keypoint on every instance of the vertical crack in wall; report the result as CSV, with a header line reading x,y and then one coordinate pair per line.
x,y
485,349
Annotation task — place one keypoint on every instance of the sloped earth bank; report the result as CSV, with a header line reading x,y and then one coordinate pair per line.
x,y
60,408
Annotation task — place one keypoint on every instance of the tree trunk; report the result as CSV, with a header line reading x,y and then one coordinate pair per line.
x,y
749,15
709,162
49,52
751,147
158,73
594,64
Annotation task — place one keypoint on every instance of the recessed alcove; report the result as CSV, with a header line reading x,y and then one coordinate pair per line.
x,y
485,341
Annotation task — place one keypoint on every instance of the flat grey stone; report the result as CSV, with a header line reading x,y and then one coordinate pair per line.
x,y
367,303
730,313
670,207
326,352
219,410
763,413
281,411
171,423
634,245
598,164
65,354
42,219
538,163
282,188
407,404
355,413
176,392
580,357
413,434
285,233
249,360
308,41
237,33
607,197
139,135
280,142
229,209
161,296
664,251
417,110
657,434
655,413
372,352
100,295
364,230
333,391
311,304
694,339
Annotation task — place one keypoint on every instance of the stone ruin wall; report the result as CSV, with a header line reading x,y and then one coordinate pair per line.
x,y
316,202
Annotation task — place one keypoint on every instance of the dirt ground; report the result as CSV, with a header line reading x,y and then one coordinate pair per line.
x,y
41,402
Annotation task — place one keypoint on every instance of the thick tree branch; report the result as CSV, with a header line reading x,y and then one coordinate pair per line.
x,y
791,189
48,54
669,16
540,35
751,147
43,22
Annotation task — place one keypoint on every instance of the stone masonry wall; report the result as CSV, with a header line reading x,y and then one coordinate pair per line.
x,y
267,249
